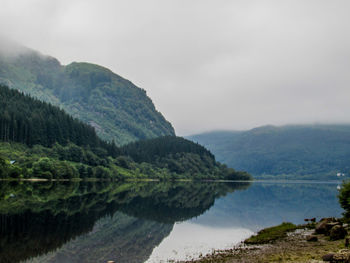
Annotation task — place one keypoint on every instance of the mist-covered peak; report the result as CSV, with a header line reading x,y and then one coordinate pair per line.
x,y
114,106
11,48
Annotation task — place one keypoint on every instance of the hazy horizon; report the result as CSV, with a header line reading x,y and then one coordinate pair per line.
x,y
207,65
272,125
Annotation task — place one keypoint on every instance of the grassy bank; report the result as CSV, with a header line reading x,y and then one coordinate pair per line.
x,y
271,234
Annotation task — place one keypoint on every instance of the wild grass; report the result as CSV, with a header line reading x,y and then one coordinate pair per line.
x,y
271,234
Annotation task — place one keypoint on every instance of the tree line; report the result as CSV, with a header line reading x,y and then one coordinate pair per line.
x,y
147,150
63,147
30,121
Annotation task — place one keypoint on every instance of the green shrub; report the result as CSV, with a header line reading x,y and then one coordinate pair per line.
x,y
344,198
271,234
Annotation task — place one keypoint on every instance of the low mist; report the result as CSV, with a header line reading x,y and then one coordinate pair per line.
x,y
206,64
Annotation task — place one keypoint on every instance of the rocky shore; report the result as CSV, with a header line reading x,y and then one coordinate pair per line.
x,y
325,241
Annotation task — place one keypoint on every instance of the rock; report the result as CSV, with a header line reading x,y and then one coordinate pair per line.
x,y
329,226
328,257
337,232
342,256
325,226
311,238
332,224
328,219
321,226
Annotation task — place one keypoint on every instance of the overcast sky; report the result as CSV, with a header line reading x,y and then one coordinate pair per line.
x,y
219,64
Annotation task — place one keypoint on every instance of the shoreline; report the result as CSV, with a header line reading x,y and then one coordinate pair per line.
x,y
92,179
294,246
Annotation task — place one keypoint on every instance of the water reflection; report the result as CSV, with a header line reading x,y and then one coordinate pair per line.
x,y
236,216
137,222
96,222
267,204
120,237
190,240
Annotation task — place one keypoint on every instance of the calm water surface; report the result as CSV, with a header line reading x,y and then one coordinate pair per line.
x,y
147,222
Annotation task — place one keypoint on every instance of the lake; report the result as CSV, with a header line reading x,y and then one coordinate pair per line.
x,y
147,221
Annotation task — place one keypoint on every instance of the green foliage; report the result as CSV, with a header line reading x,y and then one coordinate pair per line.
x,y
53,169
309,151
50,163
9,171
72,161
123,162
61,147
147,150
181,157
271,234
3,167
114,106
30,121
344,199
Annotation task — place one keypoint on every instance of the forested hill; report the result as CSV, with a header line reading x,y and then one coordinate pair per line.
x,y
147,150
301,151
180,156
30,121
45,142
114,106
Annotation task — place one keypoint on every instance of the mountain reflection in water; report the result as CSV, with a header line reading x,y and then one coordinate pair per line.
x,y
236,216
96,222
149,222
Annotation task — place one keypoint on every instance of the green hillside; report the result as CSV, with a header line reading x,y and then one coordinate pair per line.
x,y
181,156
43,141
300,151
114,106
31,121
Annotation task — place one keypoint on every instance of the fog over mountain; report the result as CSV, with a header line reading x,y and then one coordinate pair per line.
x,y
206,64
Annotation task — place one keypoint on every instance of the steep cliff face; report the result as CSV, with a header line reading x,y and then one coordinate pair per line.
x,y
114,106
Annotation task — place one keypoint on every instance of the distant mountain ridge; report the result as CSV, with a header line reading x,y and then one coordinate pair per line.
x,y
299,151
114,106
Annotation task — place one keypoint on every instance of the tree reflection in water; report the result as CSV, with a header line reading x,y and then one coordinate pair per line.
x,y
38,218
